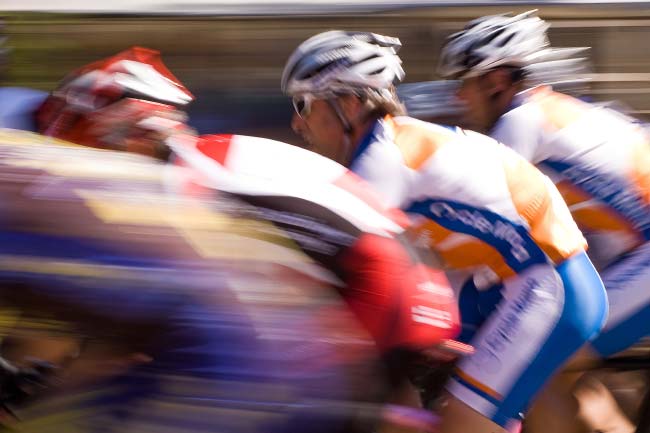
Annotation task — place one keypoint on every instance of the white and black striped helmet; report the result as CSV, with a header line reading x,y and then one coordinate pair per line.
x,y
492,41
343,62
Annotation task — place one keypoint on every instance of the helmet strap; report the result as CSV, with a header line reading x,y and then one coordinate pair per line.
x,y
347,127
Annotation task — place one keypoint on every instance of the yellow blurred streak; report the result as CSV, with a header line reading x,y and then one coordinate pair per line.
x,y
91,171
65,167
211,234
39,265
13,137
153,209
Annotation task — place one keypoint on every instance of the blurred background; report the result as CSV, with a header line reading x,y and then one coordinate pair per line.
x,y
230,54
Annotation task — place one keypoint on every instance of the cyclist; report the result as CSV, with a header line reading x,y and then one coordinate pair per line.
x,y
196,316
129,101
406,306
597,157
490,216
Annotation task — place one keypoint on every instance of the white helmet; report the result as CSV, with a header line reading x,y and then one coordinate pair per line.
x,y
492,41
343,62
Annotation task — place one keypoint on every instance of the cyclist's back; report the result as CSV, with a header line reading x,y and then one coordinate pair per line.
x,y
600,161
336,219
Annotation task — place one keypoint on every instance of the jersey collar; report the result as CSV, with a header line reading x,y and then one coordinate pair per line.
x,y
375,131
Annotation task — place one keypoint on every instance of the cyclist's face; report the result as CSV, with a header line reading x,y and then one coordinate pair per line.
x,y
477,100
321,129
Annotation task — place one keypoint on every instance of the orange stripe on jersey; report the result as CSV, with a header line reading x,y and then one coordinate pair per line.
x,y
596,216
571,193
553,231
474,253
416,142
640,172
478,385
559,110
467,254
603,218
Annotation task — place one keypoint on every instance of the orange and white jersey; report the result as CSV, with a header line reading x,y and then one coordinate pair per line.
x,y
598,158
485,210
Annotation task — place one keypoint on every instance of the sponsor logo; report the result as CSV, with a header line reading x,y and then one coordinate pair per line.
x,y
498,229
436,289
508,326
431,316
609,190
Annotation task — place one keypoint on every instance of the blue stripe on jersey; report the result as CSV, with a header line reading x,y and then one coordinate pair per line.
x,y
609,190
68,247
511,240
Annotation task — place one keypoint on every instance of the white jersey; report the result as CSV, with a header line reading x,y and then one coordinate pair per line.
x,y
485,210
599,160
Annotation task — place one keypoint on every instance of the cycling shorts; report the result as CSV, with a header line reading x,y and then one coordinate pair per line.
x,y
628,289
545,315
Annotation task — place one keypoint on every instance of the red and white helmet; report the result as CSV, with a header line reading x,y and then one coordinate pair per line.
x,y
129,101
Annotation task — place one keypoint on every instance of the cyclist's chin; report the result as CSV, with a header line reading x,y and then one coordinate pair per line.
x,y
307,144
322,150
321,147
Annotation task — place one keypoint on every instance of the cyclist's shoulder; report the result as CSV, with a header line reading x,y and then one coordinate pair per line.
x,y
300,180
264,156
525,111
418,141
421,129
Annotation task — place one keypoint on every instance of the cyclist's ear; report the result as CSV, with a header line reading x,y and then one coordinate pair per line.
x,y
351,105
497,82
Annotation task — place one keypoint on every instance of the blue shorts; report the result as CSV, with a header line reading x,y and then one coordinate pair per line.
x,y
628,289
544,315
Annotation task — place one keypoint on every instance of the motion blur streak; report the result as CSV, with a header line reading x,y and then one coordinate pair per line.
x,y
164,313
